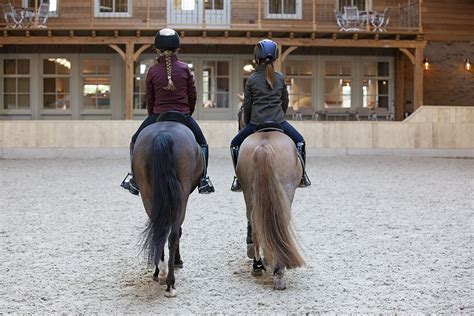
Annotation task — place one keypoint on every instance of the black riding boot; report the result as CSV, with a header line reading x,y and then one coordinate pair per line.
x,y
205,184
234,152
130,185
301,147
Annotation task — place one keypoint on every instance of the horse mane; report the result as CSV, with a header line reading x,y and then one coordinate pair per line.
x,y
271,216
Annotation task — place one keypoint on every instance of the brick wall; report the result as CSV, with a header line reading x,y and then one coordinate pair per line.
x,y
447,82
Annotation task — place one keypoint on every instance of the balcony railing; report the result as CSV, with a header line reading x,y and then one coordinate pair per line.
x,y
305,15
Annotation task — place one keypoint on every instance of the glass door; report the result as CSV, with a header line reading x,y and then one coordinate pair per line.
x,y
184,12
217,12
198,13
214,89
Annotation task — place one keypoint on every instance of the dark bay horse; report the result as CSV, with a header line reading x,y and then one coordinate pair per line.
x,y
167,165
269,172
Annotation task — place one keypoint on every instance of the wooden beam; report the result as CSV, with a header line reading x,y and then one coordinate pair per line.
x,y
118,50
287,52
199,40
129,60
418,78
409,55
139,51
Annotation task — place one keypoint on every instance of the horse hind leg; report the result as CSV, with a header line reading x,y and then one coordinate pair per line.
x,y
258,267
178,263
161,270
170,279
278,281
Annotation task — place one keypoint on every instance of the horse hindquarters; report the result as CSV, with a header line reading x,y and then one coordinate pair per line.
x,y
166,204
271,213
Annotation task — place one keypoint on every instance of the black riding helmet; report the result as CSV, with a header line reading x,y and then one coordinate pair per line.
x,y
266,49
167,39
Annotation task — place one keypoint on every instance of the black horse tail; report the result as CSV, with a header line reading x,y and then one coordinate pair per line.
x,y
165,195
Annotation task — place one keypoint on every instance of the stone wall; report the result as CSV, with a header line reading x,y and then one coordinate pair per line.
x,y
429,128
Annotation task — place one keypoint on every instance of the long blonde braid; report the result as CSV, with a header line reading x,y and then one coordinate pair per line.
x,y
168,54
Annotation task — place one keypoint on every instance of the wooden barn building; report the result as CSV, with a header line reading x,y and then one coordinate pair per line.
x,y
343,59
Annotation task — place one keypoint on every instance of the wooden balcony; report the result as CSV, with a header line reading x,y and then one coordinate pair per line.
x,y
238,15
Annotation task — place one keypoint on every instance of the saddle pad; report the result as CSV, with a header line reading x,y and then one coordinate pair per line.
x,y
269,127
173,116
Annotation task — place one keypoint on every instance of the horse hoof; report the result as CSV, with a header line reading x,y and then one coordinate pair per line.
x,y
170,293
250,251
280,285
178,264
162,280
257,272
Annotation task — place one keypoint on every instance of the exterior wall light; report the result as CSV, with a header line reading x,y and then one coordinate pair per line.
x,y
467,64
426,64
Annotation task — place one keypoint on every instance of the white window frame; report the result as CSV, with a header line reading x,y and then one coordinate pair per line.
x,y
312,77
284,16
71,76
213,90
99,14
83,110
31,76
390,78
55,14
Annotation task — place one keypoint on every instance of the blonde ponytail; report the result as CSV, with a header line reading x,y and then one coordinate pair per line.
x,y
270,75
168,54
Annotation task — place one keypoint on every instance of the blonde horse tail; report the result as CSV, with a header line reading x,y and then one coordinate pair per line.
x,y
271,216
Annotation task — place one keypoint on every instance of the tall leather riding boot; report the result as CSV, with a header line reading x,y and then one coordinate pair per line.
x,y
305,182
130,185
234,152
205,184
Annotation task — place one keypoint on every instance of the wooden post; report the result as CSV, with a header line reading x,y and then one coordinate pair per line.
x,y
92,10
420,22
400,87
278,63
259,18
36,13
314,15
129,52
283,54
147,12
418,78
367,24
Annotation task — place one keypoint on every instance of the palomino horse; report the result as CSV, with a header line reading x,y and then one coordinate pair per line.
x,y
269,172
167,165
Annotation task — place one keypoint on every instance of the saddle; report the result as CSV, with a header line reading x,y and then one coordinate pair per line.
x,y
269,127
173,116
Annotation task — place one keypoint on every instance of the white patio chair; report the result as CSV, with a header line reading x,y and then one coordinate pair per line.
x,y
382,113
363,113
43,14
13,18
341,22
381,21
351,16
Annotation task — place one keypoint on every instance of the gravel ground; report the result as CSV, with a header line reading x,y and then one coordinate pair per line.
x,y
379,235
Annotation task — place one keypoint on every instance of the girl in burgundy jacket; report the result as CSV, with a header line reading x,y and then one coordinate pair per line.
x,y
170,87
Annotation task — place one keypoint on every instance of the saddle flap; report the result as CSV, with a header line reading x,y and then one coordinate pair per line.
x,y
269,127
173,116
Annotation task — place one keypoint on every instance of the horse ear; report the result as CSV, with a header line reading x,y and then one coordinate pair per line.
x,y
241,97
